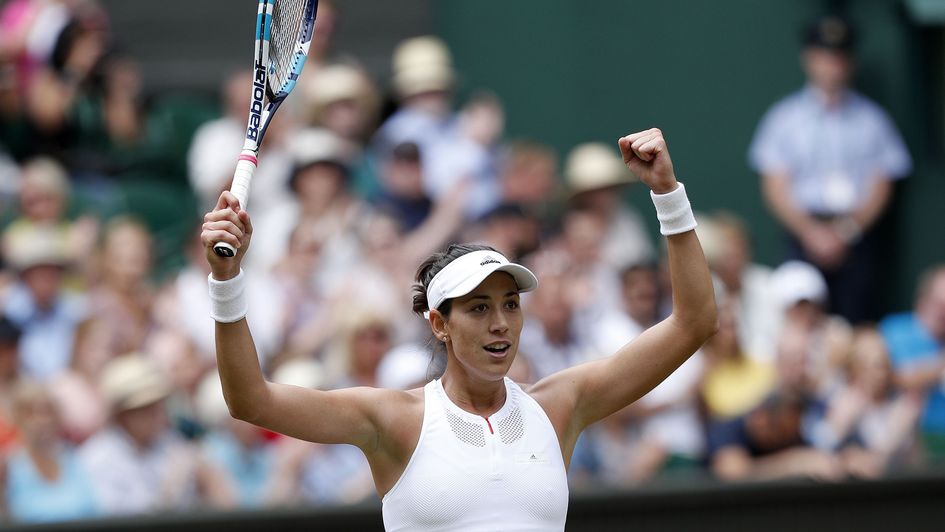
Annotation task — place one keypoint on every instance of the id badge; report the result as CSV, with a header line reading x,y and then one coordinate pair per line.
x,y
839,193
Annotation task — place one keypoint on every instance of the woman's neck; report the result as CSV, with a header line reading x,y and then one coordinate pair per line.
x,y
479,397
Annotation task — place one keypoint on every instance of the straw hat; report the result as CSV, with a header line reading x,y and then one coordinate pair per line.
x,y
336,83
26,245
133,381
422,64
593,166
316,145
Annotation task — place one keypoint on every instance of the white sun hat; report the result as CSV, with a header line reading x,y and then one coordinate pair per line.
x,y
465,273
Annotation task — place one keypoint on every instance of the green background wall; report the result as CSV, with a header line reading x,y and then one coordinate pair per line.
x,y
705,72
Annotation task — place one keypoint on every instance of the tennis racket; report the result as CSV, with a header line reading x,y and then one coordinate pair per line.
x,y
284,30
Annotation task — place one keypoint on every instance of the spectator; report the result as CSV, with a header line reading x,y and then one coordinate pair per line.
x,y
745,284
527,177
123,295
916,343
801,294
469,152
322,198
596,177
43,480
39,303
828,157
240,451
423,79
401,191
138,464
774,440
216,144
871,420
342,99
734,382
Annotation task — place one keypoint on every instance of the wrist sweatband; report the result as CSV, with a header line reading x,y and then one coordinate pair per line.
x,y
673,211
227,298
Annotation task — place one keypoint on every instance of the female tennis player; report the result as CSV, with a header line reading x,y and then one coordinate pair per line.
x,y
471,450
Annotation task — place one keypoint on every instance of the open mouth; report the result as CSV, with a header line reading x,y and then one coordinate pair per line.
x,y
498,348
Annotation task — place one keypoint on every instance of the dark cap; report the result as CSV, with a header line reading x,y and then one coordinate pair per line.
x,y
831,32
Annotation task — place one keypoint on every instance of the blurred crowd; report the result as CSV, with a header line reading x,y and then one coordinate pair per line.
x,y
109,398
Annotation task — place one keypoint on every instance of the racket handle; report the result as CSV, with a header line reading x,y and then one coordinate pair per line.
x,y
245,167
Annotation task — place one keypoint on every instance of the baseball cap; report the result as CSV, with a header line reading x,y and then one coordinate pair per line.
x,y
831,32
796,281
465,273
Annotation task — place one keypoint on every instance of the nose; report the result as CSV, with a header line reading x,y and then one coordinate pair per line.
x,y
499,323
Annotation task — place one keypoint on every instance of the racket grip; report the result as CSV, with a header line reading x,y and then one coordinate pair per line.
x,y
242,177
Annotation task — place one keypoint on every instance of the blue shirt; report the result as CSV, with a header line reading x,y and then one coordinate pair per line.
x,y
250,470
32,498
830,154
45,348
910,347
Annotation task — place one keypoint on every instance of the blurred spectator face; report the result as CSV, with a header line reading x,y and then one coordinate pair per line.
x,y
346,118
641,294
35,414
403,174
774,425
482,120
381,239
583,236
734,257
318,184
305,246
94,346
871,370
805,313
528,175
327,20
143,424
552,304
368,346
603,200
436,102
827,70
43,191
44,282
792,359
931,305
236,95
127,254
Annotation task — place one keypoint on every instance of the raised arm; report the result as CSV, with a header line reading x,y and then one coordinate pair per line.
x,y
339,416
584,394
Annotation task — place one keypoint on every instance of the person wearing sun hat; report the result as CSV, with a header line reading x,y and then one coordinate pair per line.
x,y
596,179
138,463
38,303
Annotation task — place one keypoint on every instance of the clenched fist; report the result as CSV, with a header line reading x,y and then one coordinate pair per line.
x,y
227,222
645,154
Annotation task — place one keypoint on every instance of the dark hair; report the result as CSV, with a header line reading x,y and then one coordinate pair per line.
x,y
430,267
9,332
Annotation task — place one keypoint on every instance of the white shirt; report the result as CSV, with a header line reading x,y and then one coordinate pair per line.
x,y
471,473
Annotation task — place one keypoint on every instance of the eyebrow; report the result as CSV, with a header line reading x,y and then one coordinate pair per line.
x,y
473,298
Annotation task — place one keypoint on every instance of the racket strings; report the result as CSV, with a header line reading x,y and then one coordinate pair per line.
x,y
287,20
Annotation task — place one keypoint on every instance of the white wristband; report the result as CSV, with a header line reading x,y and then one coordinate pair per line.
x,y
227,298
673,211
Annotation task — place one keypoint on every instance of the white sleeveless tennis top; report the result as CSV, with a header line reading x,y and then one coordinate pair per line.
x,y
471,473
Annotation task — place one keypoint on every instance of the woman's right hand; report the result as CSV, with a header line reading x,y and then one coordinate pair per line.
x,y
227,222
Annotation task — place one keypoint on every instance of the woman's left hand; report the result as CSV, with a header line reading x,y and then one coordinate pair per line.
x,y
645,154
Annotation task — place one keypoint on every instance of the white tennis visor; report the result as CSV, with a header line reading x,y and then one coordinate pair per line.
x,y
465,273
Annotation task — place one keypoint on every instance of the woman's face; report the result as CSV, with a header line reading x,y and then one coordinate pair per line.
x,y
484,328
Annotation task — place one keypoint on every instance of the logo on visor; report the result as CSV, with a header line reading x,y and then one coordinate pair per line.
x,y
489,260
